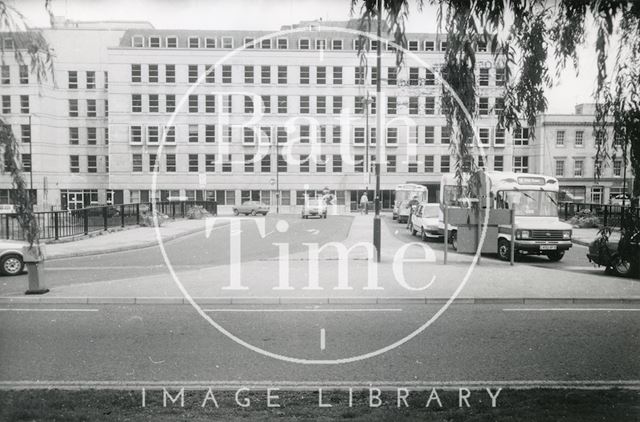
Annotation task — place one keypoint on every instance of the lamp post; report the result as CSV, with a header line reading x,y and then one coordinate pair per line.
x,y
368,100
379,139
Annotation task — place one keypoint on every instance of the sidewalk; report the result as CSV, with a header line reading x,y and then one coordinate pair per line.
x,y
426,279
133,238
583,236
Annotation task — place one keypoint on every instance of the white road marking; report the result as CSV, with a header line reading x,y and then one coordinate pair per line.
x,y
307,310
322,339
47,310
571,309
313,231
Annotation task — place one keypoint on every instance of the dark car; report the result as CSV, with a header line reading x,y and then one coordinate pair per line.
x,y
624,261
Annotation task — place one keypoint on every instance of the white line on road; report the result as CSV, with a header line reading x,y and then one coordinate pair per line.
x,y
47,310
308,310
571,309
322,339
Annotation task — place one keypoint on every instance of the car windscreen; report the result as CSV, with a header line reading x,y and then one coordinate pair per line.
x,y
529,202
430,211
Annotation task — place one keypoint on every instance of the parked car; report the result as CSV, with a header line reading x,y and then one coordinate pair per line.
x,y
617,200
251,207
427,222
11,259
314,208
604,251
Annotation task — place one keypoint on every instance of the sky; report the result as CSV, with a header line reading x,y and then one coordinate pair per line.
x,y
568,90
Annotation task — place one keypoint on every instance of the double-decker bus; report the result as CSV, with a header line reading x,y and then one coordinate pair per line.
x,y
405,193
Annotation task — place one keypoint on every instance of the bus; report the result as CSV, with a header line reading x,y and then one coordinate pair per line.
x,y
403,194
534,197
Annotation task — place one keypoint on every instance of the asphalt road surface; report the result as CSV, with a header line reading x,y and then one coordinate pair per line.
x,y
197,250
173,343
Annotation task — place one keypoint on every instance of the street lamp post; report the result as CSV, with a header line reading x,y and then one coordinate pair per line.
x,y
379,139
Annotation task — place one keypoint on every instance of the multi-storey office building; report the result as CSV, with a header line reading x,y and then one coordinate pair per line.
x,y
244,114
567,151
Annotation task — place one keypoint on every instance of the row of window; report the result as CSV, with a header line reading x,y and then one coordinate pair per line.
x,y
312,134
5,74
91,163
91,136
307,104
89,80
251,163
23,103
319,75
579,170
226,42
578,138
91,109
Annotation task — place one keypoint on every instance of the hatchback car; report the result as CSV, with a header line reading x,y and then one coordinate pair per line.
x,y
251,208
11,258
314,208
427,222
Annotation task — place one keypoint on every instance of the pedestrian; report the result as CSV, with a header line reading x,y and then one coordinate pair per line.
x,y
364,202
413,203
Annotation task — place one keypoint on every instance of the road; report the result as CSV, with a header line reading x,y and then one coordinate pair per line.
x,y
172,343
197,250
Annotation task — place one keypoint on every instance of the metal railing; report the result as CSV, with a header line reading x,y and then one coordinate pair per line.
x,y
60,224
608,215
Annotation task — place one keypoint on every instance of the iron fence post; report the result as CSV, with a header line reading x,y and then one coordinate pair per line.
x,y
121,215
105,218
85,217
137,213
56,225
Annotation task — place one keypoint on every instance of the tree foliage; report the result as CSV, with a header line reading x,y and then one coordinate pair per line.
x,y
521,34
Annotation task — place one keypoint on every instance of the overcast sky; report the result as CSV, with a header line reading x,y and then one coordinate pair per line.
x,y
270,15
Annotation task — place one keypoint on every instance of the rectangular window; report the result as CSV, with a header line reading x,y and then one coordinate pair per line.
x,y
358,104
227,104
281,135
153,161
210,74
91,79
209,42
171,42
210,163
521,136
23,70
92,136
193,133
248,42
154,42
500,76
193,163
336,163
429,164
429,134
429,46
248,135
391,163
304,75
170,134
210,133
283,43
358,135
559,168
336,44
170,73
136,75
154,103
74,163
6,75
392,135
92,164
248,74
25,132
484,76
74,136
337,134
359,75
73,108
136,163
358,163
153,73
226,163
248,163
209,103
430,78
414,75
193,73
194,42
170,163
265,44
282,74
483,106
617,168
321,44
304,163
265,74
282,104
193,103
72,75
560,138
485,135
6,104
337,75
337,105
445,164
429,105
304,44
265,164
392,105
305,134
153,134
579,138
443,46
321,104
445,135
521,164
392,76
412,165
578,168
226,74
136,103
282,163
248,104
24,104
170,103
136,134
321,75
498,163
304,104
227,42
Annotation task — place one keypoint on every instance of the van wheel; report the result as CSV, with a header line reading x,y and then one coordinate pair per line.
x,y
236,212
504,250
453,239
621,266
253,213
555,256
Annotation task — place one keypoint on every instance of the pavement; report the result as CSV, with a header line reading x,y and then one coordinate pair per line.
x,y
423,279
583,236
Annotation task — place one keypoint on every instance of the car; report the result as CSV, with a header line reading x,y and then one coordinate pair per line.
x,y
251,208
314,208
427,221
11,258
617,200
604,252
